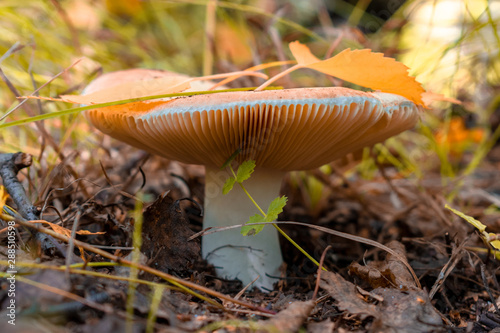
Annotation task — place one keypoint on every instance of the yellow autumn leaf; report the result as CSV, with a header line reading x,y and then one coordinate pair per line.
x,y
86,232
477,224
65,231
302,53
3,198
495,242
490,238
364,68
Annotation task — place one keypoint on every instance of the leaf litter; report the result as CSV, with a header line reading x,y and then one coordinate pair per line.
x,y
375,294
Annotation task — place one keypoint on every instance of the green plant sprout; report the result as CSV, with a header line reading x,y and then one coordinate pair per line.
x,y
244,172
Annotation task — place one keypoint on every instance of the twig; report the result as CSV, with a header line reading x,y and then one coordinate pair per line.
x,y
10,165
318,278
485,282
71,246
456,255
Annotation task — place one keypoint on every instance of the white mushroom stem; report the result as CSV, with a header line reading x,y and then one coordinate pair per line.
x,y
236,256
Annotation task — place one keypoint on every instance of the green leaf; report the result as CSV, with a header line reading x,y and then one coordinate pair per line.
x,y
251,230
228,186
245,170
275,208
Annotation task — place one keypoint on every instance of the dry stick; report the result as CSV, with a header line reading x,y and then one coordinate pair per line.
x,y
71,246
318,278
42,130
278,76
10,164
170,278
485,282
448,268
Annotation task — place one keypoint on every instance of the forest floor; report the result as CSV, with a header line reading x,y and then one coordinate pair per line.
x,y
365,288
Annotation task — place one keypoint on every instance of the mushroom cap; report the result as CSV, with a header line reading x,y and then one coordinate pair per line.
x,y
290,129
144,80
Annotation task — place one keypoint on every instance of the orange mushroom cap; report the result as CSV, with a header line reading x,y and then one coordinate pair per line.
x,y
290,129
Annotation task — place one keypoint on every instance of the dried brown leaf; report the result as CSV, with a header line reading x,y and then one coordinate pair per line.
x,y
292,318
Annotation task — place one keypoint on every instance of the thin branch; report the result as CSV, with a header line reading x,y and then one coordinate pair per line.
x,y
318,278
10,165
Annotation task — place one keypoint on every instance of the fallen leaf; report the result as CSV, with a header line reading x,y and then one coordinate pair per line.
x,y
364,68
400,311
291,319
406,312
3,197
321,327
66,232
346,295
388,273
302,54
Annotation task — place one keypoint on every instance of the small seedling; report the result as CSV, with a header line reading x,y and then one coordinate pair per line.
x,y
244,172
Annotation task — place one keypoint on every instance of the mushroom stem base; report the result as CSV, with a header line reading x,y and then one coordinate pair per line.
x,y
236,256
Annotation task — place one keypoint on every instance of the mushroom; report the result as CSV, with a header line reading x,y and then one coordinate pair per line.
x,y
282,130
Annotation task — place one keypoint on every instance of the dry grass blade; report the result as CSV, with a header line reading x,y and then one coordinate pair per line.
x,y
253,68
456,255
9,112
73,270
326,230
64,294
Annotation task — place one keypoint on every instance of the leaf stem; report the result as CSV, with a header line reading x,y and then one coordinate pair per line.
x,y
278,76
248,194
298,247
276,226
